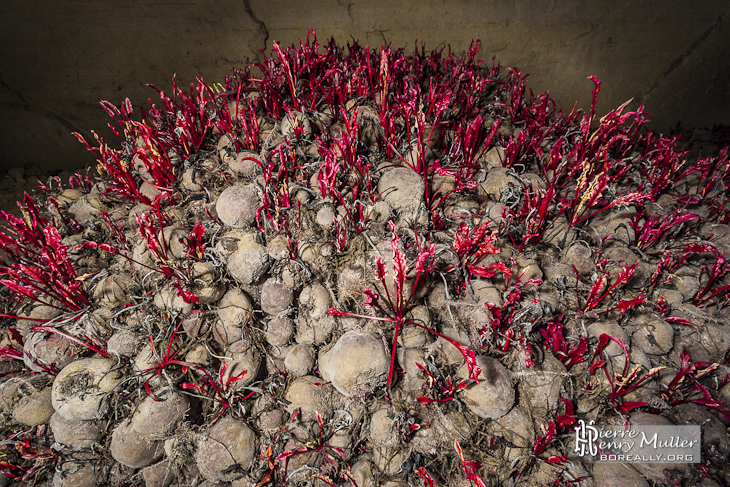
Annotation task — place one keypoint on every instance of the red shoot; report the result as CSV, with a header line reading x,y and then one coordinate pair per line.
x,y
194,246
397,303
470,468
164,359
649,231
570,353
596,295
623,382
444,388
543,441
37,265
218,389
471,246
425,476
88,341
686,387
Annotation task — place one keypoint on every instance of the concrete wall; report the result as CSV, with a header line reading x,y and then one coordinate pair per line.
x,y
59,58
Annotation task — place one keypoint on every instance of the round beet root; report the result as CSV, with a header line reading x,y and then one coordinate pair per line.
x,y
160,415
227,451
80,390
132,449
357,364
237,205
494,395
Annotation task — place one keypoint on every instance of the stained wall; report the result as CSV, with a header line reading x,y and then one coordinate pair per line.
x,y
59,58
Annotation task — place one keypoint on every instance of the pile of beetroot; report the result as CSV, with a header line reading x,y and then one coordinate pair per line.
x,y
359,267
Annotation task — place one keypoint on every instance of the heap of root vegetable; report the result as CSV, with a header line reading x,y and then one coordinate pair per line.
x,y
351,266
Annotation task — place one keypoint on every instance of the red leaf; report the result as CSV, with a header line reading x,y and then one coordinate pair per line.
x,y
372,298
489,272
426,400
485,272
558,459
471,360
291,453
4,466
425,476
15,335
628,198
10,352
189,385
543,442
194,246
470,469
625,305
475,245
379,268
592,299
676,319
53,239
423,257
625,273
597,365
399,260
628,406
685,362
568,418
235,378
188,296
431,379
26,291
95,245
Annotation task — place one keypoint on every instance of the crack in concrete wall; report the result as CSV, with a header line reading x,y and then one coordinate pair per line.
x,y
39,109
261,24
643,96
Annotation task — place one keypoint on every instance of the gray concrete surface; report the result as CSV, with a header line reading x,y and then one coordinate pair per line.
x,y
59,58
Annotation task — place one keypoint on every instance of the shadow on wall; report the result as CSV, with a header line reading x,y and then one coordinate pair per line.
x,y
60,58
